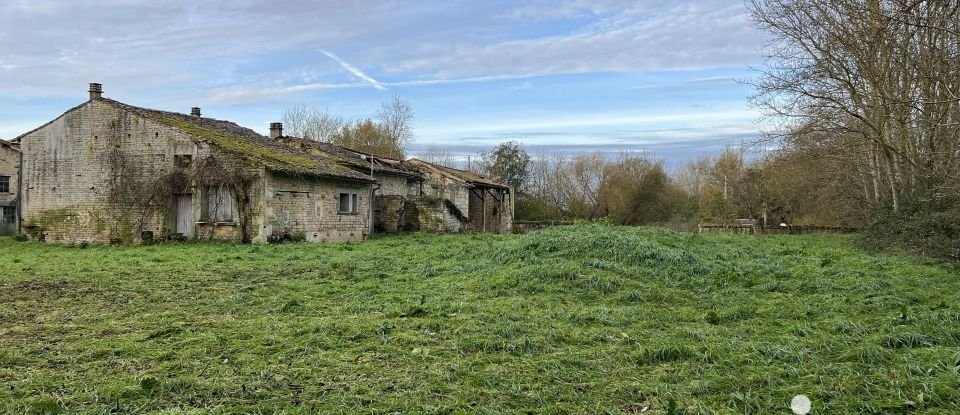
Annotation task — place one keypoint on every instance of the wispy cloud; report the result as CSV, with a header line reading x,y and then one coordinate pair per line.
x,y
245,93
355,71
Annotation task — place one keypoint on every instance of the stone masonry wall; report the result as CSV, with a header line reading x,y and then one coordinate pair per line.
x,y
388,213
10,167
73,165
304,206
430,214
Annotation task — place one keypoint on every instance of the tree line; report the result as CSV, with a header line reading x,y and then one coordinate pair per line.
x,y
864,97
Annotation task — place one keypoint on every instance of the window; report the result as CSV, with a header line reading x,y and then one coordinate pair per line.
x,y
220,204
8,214
4,184
348,202
182,161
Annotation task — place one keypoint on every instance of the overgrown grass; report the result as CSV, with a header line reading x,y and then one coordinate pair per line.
x,y
578,319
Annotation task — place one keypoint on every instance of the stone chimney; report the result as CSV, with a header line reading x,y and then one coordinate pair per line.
x,y
96,90
276,130
195,111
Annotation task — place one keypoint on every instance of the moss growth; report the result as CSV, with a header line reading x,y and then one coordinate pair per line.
x,y
51,218
455,211
242,148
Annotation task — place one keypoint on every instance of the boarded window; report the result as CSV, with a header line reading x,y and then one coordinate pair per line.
x,y
8,214
348,202
220,206
4,184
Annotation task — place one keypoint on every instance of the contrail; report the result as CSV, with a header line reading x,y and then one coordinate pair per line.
x,y
356,72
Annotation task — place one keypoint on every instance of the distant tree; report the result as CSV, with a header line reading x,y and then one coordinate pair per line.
x,y
366,136
395,120
438,155
509,163
311,123
388,134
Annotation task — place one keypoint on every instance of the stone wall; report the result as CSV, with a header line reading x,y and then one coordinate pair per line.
x,y
307,207
10,168
430,214
94,175
491,210
389,213
397,186
774,230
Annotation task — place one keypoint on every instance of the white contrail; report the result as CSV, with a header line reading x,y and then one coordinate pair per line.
x,y
355,71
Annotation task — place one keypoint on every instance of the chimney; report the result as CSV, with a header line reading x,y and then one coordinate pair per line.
x,y
195,111
96,90
276,130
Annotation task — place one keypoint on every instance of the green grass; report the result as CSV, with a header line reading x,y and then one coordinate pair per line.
x,y
580,319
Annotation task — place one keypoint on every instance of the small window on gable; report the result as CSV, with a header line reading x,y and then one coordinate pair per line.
x,y
348,202
182,161
4,184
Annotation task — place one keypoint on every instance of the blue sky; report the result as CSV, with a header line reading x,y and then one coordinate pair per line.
x,y
559,76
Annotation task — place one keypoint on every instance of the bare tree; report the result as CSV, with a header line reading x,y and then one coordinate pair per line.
x,y
395,118
312,123
881,78
438,155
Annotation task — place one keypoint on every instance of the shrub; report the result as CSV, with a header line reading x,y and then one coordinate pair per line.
x,y
916,229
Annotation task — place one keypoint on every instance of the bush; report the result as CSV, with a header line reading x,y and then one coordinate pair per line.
x,y
916,229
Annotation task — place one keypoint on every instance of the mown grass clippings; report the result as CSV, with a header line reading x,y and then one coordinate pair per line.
x,y
574,319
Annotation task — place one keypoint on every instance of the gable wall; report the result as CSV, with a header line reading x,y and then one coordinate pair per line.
x,y
92,175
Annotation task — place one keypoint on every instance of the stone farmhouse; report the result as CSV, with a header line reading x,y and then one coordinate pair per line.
x,y
397,181
413,195
110,172
105,171
9,184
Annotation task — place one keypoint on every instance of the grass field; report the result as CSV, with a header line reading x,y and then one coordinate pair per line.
x,y
579,319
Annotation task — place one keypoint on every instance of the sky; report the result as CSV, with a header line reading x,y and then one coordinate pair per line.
x,y
569,76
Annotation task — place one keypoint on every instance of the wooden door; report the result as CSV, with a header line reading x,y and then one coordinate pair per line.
x,y
184,205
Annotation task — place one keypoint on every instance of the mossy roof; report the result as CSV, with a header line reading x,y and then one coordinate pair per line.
x,y
237,140
246,143
462,175
357,160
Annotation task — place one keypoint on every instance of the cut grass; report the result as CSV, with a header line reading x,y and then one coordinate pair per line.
x,y
576,319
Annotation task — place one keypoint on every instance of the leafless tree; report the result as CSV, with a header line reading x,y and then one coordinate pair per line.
x,y
877,80
395,118
438,155
312,123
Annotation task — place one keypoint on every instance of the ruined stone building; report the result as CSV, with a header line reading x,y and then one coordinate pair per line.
x,y
401,203
107,171
396,181
9,184
486,203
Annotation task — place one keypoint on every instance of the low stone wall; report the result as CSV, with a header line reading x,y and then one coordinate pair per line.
x,y
775,230
524,226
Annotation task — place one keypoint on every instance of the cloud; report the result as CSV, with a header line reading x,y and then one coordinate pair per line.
x,y
355,71
251,94
147,45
